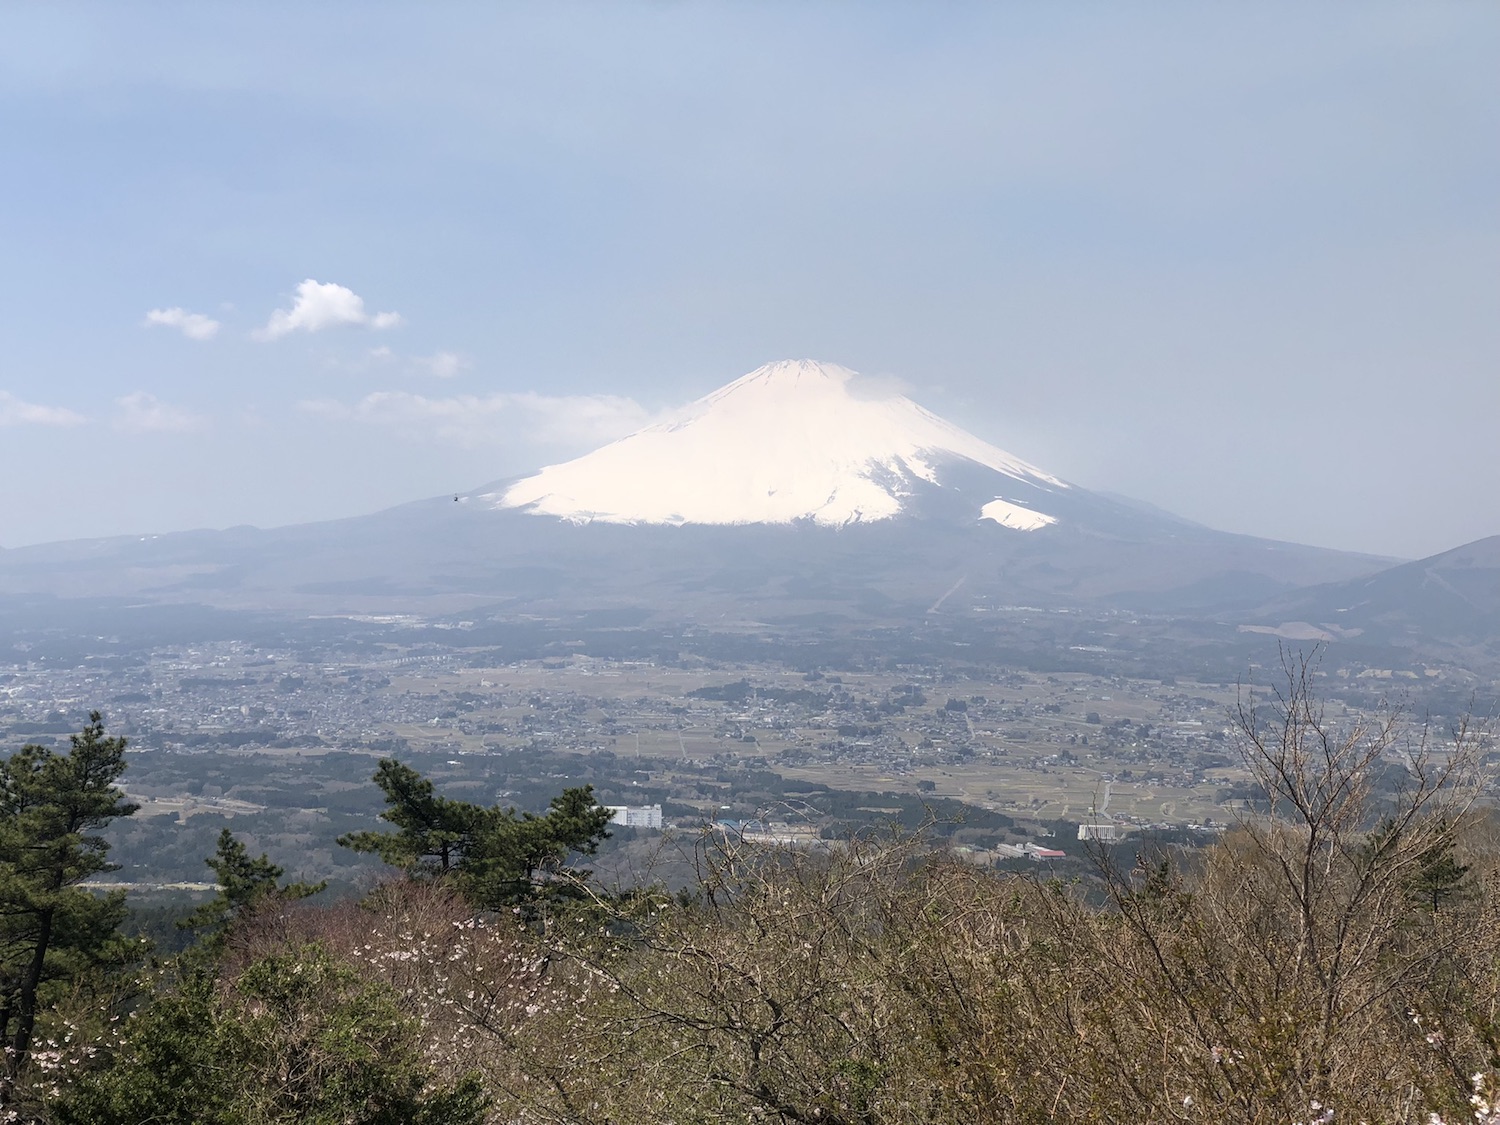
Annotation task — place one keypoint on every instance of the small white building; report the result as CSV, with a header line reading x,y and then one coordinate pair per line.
x,y
1103,831
636,816
1028,850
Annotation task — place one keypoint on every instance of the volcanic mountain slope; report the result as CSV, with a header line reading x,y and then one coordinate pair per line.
x,y
794,490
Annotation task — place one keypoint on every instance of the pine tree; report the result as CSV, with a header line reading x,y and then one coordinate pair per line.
x,y
432,832
514,855
51,929
497,856
243,884
1439,878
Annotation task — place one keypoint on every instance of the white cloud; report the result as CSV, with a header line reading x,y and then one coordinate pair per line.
x,y
438,365
878,388
142,413
15,412
441,365
587,420
567,421
321,305
195,326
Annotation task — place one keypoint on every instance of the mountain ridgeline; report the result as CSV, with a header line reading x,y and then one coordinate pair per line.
x,y
727,508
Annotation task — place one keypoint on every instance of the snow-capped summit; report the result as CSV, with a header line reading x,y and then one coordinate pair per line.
x,y
791,441
726,512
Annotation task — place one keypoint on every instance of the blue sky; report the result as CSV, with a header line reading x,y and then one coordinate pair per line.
x,y
1241,261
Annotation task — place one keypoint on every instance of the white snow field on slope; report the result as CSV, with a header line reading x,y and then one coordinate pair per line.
x,y
794,440
1014,516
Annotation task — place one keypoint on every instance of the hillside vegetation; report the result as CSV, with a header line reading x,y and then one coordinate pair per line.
x,y
1336,958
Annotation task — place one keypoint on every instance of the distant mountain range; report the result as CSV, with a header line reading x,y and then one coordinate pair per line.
x,y
1454,596
795,490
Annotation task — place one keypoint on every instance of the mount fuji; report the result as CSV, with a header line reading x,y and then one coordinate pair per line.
x,y
791,441
798,491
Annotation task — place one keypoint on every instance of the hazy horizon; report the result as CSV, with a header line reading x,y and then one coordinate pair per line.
x,y
271,265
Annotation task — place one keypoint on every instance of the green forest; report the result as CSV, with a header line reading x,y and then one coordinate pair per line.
x,y
1334,957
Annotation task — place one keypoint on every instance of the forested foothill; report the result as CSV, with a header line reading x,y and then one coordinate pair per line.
x,y
1333,956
